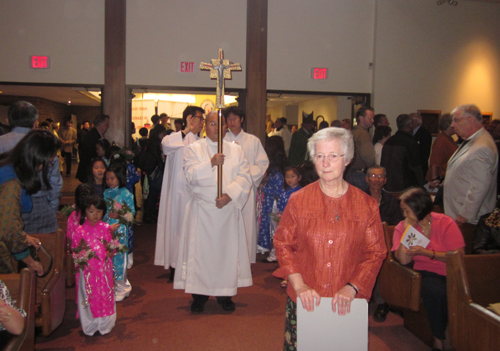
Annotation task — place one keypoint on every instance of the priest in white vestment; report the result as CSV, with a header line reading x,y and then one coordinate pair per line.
x,y
174,195
257,158
213,257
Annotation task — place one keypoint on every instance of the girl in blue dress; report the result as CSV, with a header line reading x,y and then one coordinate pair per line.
x,y
117,198
271,188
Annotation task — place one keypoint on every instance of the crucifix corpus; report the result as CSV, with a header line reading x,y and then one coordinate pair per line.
x,y
220,69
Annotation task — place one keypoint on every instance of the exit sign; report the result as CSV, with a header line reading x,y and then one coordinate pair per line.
x,y
186,67
319,73
39,62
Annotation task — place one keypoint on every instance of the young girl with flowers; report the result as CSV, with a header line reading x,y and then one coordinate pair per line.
x,y
92,255
120,204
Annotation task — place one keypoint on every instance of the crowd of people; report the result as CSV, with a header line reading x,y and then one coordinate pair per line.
x,y
311,200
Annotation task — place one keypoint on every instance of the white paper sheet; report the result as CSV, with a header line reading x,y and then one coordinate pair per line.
x,y
323,330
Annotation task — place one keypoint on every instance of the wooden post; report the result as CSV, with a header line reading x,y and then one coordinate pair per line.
x,y
256,68
115,93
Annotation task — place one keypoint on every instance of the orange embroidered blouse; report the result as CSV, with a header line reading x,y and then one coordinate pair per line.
x,y
330,253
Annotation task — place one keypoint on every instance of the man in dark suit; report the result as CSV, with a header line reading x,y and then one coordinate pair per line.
x,y
424,140
87,149
400,158
298,145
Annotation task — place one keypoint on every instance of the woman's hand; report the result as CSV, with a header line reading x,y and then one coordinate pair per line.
x,y
33,265
307,296
343,299
113,215
114,227
416,251
33,241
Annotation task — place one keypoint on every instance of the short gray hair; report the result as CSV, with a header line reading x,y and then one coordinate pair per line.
x,y
375,167
471,110
333,133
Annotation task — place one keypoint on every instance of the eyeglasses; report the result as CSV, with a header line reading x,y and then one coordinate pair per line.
x,y
330,158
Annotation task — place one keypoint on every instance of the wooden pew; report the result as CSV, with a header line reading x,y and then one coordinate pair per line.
x,y
473,282
70,270
22,288
51,290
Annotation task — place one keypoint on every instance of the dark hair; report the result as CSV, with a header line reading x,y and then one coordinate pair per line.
x,y
381,132
99,119
98,203
235,110
190,110
104,143
336,123
404,121
35,149
22,114
155,119
419,201
90,178
275,150
362,112
178,121
44,125
309,174
323,125
283,120
143,132
377,118
294,169
120,173
81,193
113,150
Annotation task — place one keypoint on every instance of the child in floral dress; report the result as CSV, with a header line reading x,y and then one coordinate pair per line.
x,y
119,200
95,294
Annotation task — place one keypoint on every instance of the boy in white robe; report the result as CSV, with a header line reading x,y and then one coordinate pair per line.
x,y
257,158
213,258
174,195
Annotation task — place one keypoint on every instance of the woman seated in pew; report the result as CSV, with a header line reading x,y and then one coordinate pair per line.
x,y
11,317
444,235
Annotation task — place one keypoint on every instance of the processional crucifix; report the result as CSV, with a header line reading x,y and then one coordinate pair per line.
x,y
221,70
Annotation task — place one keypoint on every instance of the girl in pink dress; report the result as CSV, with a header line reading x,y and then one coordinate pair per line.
x,y
96,303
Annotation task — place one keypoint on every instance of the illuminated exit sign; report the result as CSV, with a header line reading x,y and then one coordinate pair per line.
x,y
185,67
319,73
40,62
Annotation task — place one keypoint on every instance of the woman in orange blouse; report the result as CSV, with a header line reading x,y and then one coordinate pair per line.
x,y
329,242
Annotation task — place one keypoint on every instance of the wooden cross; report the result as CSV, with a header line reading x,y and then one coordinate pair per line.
x,y
220,69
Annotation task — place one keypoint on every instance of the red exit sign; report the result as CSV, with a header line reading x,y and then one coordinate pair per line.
x,y
319,73
186,67
38,62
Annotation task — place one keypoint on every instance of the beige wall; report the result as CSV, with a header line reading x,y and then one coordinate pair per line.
x,y
436,57
71,33
336,34
162,33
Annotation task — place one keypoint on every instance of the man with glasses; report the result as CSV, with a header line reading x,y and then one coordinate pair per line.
x,y
471,187
174,192
23,117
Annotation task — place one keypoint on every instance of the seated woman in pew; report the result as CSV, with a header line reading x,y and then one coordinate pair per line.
x,y
444,235
11,317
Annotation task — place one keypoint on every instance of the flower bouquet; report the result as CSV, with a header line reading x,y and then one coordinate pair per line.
x,y
82,254
114,246
127,154
276,217
124,212
67,210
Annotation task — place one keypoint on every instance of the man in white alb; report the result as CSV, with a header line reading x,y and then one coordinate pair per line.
x,y
174,196
281,129
213,257
258,161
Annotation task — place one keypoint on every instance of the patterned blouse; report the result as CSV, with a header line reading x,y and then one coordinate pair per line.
x,y
5,296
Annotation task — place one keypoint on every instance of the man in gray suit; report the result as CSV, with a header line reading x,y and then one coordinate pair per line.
x,y
470,188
